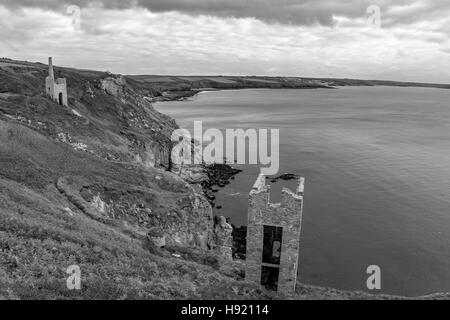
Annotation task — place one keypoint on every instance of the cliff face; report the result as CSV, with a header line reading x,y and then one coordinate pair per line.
x,y
88,185
106,115
107,153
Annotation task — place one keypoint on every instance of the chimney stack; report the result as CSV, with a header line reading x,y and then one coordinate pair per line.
x,y
50,68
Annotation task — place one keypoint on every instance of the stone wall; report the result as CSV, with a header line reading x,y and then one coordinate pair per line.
x,y
288,215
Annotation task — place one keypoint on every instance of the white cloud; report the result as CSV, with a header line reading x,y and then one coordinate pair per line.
x,y
137,41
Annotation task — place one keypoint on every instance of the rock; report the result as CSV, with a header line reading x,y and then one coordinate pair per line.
x,y
114,86
75,112
223,238
157,237
201,240
194,174
288,176
99,204
68,211
217,175
239,242
89,90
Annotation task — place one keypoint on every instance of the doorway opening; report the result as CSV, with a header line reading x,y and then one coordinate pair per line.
x,y
270,270
269,277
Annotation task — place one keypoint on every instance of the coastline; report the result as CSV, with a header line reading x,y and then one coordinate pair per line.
x,y
240,250
110,198
178,88
171,96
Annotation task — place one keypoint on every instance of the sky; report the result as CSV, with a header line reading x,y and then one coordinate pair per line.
x,y
406,40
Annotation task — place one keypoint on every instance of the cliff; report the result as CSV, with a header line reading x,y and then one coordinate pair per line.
x,y
90,185
163,88
85,184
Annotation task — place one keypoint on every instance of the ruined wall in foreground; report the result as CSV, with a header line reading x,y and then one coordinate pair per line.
x,y
273,237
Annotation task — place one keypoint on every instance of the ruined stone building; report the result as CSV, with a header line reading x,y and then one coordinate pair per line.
x,y
273,237
57,90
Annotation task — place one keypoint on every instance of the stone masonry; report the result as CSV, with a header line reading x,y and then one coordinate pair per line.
x,y
56,89
273,237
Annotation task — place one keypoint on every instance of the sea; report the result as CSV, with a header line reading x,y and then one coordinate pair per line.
x,y
376,161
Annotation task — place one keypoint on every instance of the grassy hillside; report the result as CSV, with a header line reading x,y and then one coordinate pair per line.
x,y
84,185
87,185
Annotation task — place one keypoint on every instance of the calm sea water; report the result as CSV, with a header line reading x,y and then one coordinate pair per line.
x,y
377,167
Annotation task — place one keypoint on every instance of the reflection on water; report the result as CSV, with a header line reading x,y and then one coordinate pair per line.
x,y
377,168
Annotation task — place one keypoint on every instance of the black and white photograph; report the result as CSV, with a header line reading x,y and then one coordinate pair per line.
x,y
224,155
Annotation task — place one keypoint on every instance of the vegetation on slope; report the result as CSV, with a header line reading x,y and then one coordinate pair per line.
x,y
64,202
84,185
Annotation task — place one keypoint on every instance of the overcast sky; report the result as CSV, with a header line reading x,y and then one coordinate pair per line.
x,y
315,38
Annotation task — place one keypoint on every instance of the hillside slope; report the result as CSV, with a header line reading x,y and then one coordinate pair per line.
x,y
89,185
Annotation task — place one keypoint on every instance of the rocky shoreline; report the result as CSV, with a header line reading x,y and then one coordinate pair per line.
x,y
216,176
175,95
219,175
96,192
284,176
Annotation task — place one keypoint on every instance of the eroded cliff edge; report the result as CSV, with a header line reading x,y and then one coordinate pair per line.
x,y
90,185
105,158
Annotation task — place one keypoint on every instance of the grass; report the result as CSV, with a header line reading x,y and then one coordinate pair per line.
x,y
39,240
47,222
47,190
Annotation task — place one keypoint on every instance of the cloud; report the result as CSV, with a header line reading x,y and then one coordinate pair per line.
x,y
130,40
297,12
